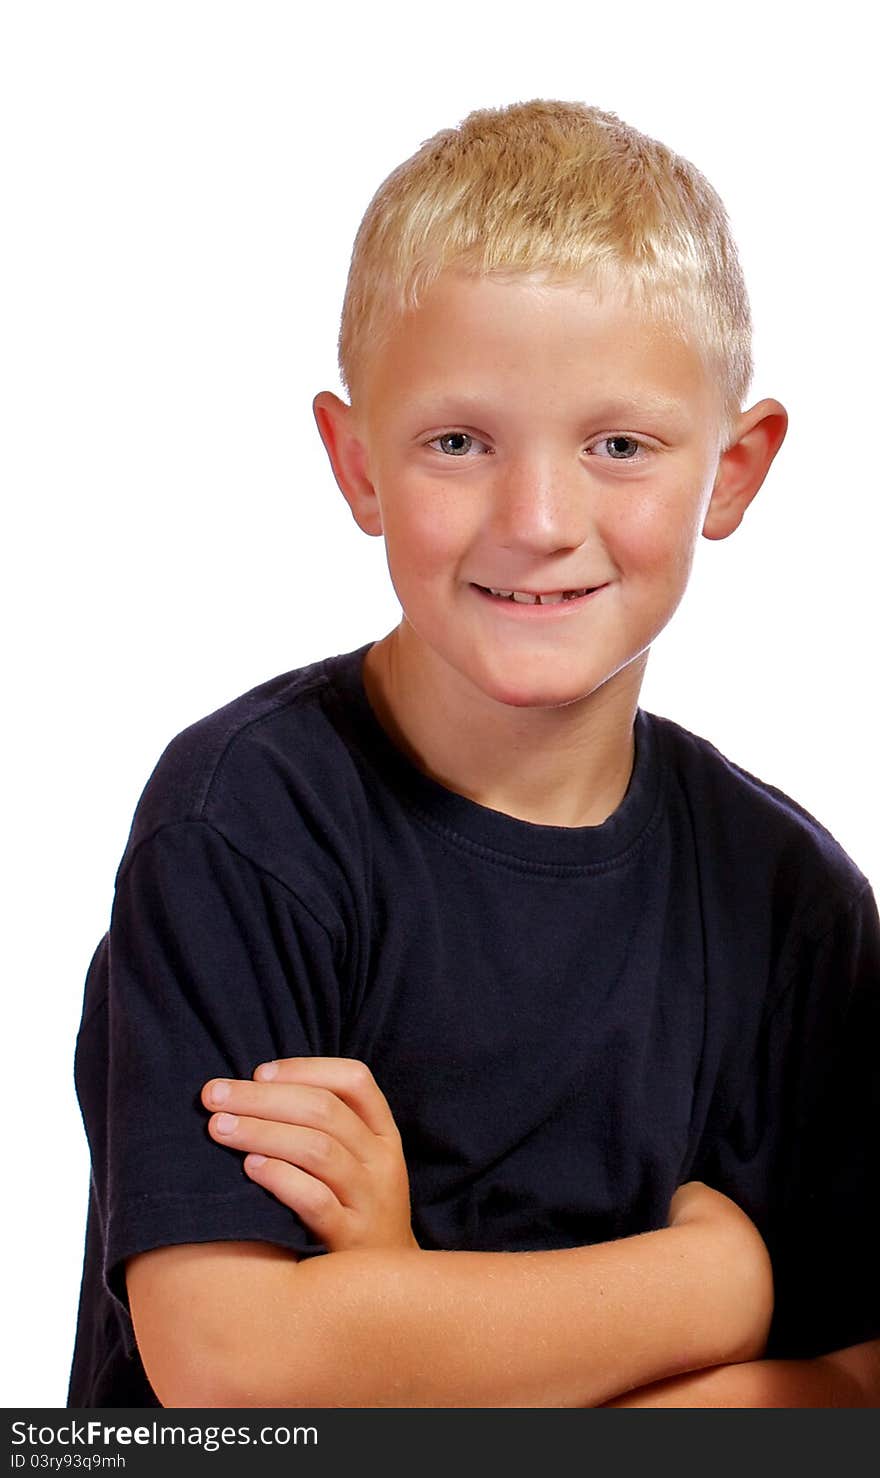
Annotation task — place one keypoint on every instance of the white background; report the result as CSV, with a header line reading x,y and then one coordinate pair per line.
x,y
181,184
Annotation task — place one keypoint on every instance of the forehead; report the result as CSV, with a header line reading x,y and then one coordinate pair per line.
x,y
523,342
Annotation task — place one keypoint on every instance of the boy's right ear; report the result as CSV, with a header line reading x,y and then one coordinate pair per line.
x,y
348,459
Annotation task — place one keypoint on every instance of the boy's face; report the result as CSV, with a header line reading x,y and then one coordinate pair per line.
x,y
514,436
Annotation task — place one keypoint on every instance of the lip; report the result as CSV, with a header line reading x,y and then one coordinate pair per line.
x,y
522,610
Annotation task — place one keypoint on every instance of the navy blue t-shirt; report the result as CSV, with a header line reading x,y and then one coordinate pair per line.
x,y
568,1023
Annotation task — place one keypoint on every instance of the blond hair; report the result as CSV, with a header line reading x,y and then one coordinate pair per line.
x,y
564,191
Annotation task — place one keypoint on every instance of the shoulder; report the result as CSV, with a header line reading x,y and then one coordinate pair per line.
x,y
266,767
755,830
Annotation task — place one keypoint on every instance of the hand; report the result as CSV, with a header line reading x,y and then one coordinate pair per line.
x,y
741,1253
319,1135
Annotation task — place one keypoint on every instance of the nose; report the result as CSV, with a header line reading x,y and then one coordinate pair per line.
x,y
540,506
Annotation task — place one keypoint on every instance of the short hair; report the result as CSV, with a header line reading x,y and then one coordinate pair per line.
x,y
563,191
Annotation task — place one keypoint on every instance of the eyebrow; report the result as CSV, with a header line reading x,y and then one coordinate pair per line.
x,y
611,408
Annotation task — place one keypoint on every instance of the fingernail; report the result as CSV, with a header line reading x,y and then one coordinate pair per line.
x,y
266,1072
219,1093
225,1123
254,1162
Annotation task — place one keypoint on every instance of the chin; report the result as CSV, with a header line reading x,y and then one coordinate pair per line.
x,y
536,694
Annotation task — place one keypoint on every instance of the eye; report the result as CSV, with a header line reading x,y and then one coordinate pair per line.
x,y
623,448
459,443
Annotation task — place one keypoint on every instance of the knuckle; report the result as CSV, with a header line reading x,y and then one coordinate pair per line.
x,y
359,1074
321,1201
320,1106
386,1160
320,1148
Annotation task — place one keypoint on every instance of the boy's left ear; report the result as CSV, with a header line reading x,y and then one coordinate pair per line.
x,y
743,467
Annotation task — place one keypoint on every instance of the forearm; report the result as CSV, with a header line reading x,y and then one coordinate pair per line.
x,y
413,1328
847,1378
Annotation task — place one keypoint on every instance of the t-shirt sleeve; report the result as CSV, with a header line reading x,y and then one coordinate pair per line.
x,y
801,1154
210,966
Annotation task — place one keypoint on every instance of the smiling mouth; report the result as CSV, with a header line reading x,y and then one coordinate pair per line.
x,y
534,598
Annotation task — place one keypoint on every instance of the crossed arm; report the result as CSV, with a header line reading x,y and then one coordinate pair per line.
x,y
848,1377
675,1317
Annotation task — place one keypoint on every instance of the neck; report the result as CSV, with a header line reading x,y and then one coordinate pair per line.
x,y
566,766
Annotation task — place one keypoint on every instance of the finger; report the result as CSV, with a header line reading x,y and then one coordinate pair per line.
x,y
317,1154
293,1103
347,1077
311,1199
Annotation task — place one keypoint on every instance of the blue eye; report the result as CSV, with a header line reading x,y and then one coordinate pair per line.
x,y
459,437
620,448
619,455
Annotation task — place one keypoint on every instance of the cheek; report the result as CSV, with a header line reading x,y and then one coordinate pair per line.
x,y
426,532
656,536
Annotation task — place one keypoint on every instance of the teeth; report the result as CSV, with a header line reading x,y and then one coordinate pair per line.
x,y
523,598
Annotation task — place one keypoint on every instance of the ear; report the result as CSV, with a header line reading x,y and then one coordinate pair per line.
x,y
744,465
348,459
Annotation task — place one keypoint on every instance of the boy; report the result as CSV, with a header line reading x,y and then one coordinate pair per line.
x,y
527,1008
